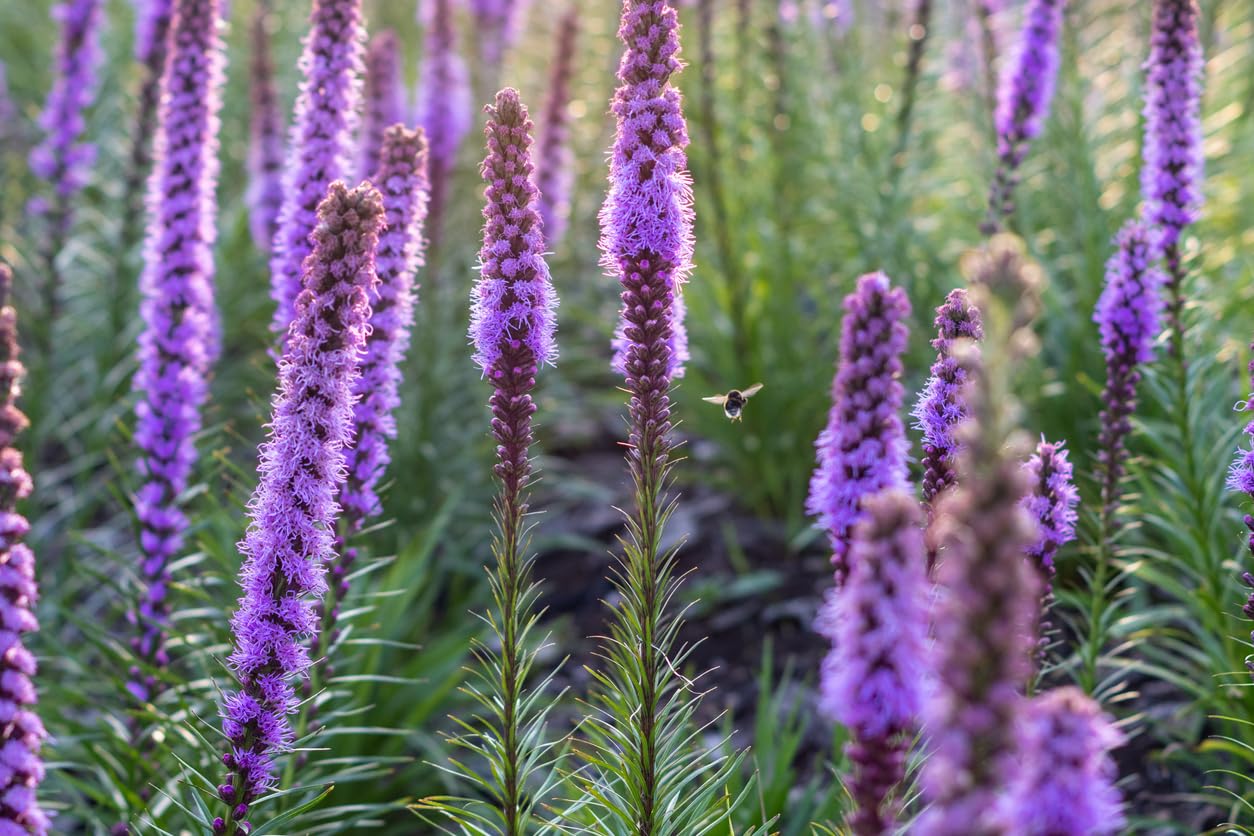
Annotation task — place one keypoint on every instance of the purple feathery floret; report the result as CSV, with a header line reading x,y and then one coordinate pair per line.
x,y
265,148
555,171
941,407
21,731
1051,502
497,24
61,158
1026,90
444,106
872,679
512,316
863,448
1241,479
647,217
320,144
385,99
293,509
1129,317
985,627
177,309
1066,781
401,178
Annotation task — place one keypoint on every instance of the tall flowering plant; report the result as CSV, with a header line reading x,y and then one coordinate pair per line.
x,y
293,509
385,99
555,169
265,141
444,109
178,313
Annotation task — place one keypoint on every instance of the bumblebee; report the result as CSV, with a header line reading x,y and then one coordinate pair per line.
x,y
733,402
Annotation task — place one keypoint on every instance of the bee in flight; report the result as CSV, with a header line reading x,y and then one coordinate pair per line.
x,y
734,401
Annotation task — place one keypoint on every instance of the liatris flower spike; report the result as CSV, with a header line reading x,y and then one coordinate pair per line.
x,y
872,680
1129,317
1171,179
265,145
320,146
1066,781
1241,478
1027,88
444,108
863,448
555,169
385,98
1051,502
496,25
152,37
21,732
940,408
293,509
177,309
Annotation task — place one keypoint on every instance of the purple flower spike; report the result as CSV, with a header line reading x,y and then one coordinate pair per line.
x,y
555,172
647,218
985,625
1051,502
1241,479
401,177
444,108
265,149
1171,179
1067,780
152,40
21,734
941,407
863,448
1027,88
1129,317
293,510
177,308
512,316
320,145
497,24
385,100
872,678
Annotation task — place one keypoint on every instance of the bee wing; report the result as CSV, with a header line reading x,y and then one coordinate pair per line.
x,y
718,399
752,390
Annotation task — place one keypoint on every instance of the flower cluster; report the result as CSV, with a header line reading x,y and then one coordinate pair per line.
x,y
265,147
647,219
444,108
496,25
940,408
872,679
293,509
555,171
320,146
1051,502
863,448
177,309
21,731
385,98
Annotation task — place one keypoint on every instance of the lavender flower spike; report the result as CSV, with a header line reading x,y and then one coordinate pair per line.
x,y
647,218
1171,179
265,148
1051,502
152,38
497,24
22,733
1241,478
871,679
1128,315
863,448
941,408
293,509
61,158
385,102
1027,88
401,177
444,108
320,145
555,170
177,309
1067,781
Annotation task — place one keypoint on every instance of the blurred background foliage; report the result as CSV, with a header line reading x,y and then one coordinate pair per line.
x,y
808,171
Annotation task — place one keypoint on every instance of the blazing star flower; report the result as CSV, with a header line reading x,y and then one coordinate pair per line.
x,y
1066,783
872,680
1129,317
497,24
21,731
385,98
177,309
444,108
555,170
320,146
940,408
1051,502
1241,479
646,220
289,539
152,37
863,448
265,148
1027,89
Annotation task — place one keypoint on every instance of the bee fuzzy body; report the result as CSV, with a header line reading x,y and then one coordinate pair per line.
x,y
733,402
